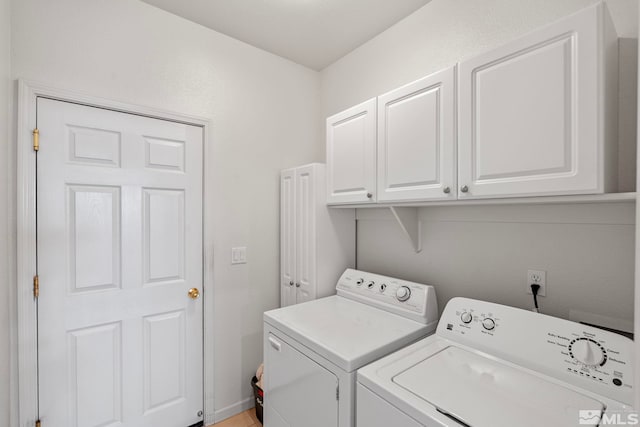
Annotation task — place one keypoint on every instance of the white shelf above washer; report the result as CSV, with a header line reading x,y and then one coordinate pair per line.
x,y
408,217
540,200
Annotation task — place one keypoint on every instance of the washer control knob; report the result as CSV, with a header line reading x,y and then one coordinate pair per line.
x,y
489,324
466,317
403,293
383,287
587,351
370,284
359,282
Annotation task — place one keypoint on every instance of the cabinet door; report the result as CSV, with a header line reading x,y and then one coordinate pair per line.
x,y
287,237
305,289
529,121
416,140
351,155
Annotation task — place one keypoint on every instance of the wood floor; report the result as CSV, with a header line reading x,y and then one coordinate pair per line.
x,y
243,419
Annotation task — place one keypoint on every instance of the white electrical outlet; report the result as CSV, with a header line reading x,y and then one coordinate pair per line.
x,y
537,277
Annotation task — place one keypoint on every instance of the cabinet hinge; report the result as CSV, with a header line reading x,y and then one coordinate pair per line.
x,y
36,139
36,286
337,392
38,424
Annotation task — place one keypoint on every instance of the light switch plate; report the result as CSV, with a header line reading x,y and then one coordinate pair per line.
x,y
239,255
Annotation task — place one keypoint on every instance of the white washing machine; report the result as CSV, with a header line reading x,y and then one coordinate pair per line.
x,y
490,365
312,350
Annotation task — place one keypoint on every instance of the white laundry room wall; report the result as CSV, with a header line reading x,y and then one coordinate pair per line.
x,y
265,117
5,72
484,252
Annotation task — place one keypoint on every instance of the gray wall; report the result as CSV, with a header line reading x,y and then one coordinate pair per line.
x,y
484,252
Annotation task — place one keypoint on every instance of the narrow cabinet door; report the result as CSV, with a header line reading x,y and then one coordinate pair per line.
x,y
351,155
416,140
287,237
305,285
529,122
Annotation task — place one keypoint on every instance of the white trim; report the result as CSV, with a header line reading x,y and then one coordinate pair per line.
x,y
231,410
636,317
28,92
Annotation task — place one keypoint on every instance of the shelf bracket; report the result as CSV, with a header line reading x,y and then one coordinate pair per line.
x,y
409,222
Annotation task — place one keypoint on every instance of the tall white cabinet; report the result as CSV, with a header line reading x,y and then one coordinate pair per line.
x,y
316,243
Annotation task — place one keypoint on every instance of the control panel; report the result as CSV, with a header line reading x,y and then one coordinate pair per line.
x,y
409,299
591,358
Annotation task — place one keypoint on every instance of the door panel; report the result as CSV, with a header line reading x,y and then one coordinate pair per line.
x,y
95,372
305,234
164,229
164,359
94,237
416,140
287,238
119,246
94,146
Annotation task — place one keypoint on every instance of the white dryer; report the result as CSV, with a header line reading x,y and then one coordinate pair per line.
x,y
312,350
489,365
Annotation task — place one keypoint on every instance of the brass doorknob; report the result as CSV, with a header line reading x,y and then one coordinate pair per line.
x,y
194,293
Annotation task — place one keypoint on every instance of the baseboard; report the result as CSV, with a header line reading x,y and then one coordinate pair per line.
x,y
231,410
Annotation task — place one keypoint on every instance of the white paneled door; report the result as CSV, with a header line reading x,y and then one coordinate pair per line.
x,y
119,248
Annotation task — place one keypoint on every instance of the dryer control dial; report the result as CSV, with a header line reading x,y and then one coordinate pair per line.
x,y
403,293
466,317
588,352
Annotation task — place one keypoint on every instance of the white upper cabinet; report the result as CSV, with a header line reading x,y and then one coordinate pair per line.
x,y
416,140
351,155
538,116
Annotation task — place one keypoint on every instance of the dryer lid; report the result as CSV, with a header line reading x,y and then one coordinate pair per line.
x,y
483,392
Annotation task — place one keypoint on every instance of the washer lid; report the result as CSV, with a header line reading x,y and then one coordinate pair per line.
x,y
482,392
349,334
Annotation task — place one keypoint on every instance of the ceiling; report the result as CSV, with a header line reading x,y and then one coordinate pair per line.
x,y
314,33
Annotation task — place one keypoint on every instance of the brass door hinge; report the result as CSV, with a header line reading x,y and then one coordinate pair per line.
x,y
36,140
36,286
38,423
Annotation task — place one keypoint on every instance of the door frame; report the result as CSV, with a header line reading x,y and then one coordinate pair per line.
x,y
27,362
